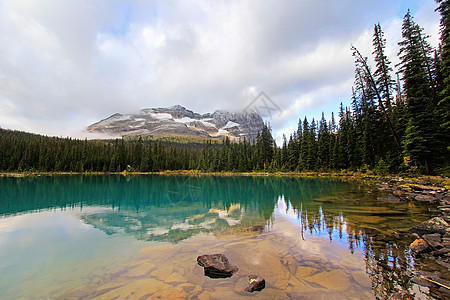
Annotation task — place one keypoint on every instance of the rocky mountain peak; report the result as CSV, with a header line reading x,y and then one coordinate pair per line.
x,y
179,121
177,107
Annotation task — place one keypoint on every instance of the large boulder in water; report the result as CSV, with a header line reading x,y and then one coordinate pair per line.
x,y
434,225
256,283
216,265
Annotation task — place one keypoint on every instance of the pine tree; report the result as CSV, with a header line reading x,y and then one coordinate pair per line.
x,y
421,142
266,146
365,116
284,154
304,147
333,143
363,67
323,145
312,146
382,73
444,102
341,141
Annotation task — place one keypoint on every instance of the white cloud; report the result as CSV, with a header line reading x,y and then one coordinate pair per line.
x,y
69,63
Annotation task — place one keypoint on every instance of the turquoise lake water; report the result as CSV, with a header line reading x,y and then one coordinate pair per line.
x,y
107,237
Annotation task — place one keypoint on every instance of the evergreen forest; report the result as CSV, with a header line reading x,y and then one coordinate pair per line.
x,y
398,122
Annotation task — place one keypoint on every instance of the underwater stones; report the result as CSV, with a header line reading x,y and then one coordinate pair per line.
x,y
163,273
189,287
398,193
433,239
104,288
428,188
140,270
197,290
175,278
223,295
418,246
270,293
271,266
361,278
389,198
216,265
256,283
170,293
240,284
441,252
425,198
204,296
117,271
336,280
224,287
434,225
432,244
135,290
303,272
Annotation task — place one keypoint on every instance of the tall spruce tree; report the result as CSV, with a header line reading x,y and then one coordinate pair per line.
x,y
361,64
387,86
304,147
264,145
323,145
421,142
383,70
333,134
444,102
365,110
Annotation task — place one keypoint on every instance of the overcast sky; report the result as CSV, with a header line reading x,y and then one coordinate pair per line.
x,y
65,64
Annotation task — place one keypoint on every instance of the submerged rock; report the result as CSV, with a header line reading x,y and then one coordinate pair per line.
x,y
434,239
442,252
337,280
216,265
419,245
389,198
434,225
398,193
425,198
256,283
432,280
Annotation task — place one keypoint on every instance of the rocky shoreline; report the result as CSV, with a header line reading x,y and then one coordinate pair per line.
x,y
399,189
430,239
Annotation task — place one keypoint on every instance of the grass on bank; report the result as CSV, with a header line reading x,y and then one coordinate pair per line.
x,y
440,180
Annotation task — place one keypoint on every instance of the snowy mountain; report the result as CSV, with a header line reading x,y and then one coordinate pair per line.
x,y
178,121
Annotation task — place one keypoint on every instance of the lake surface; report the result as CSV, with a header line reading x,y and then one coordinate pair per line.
x,y
107,237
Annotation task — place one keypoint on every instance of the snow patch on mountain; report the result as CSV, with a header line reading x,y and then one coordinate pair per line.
x,y
230,124
179,121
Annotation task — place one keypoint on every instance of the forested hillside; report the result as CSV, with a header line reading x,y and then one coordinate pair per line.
x,y
398,122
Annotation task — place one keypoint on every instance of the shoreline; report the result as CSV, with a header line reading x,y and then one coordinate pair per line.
x,y
343,173
385,183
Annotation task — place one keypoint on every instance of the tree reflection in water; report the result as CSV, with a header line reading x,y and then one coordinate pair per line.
x,y
173,208
388,262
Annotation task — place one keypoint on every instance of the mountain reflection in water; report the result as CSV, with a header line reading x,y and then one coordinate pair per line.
x,y
175,208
